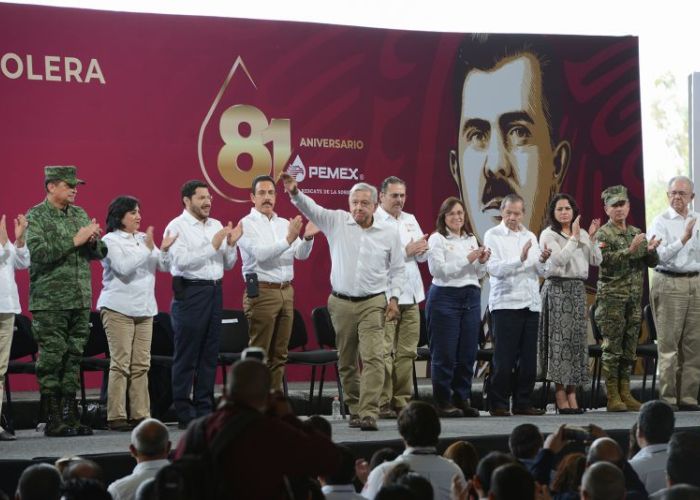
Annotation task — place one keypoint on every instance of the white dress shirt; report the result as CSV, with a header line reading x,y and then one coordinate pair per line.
x,y
193,256
650,465
448,263
426,462
11,258
673,255
514,284
265,249
340,492
125,488
129,275
409,231
570,257
363,261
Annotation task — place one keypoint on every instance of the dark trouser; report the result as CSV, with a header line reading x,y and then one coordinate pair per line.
x,y
515,339
61,336
453,318
197,326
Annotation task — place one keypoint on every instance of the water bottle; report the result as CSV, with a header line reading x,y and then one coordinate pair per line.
x,y
335,409
551,409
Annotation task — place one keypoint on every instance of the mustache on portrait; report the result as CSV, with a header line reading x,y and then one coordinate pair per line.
x,y
497,187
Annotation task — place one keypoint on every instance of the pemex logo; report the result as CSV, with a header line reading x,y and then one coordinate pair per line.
x,y
297,169
237,142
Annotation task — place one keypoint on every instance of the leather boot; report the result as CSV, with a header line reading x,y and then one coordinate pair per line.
x,y
625,394
70,409
614,401
55,426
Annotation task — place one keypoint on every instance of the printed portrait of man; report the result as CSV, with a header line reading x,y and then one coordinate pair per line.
x,y
508,89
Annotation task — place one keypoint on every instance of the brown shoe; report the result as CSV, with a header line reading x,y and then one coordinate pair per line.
x,y
120,425
386,413
530,411
368,424
354,422
499,412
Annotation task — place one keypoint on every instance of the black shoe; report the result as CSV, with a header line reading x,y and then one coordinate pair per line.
x,y
467,409
688,407
6,436
530,411
448,410
72,416
499,412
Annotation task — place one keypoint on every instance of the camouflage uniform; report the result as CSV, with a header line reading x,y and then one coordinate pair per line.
x,y
618,301
60,292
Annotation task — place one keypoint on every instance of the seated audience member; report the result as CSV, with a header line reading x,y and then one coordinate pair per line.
x,y
395,492
607,450
464,454
339,486
419,486
481,482
512,482
603,481
83,468
273,436
537,455
39,482
654,429
362,468
682,462
320,424
567,478
419,427
150,445
81,488
681,492
633,445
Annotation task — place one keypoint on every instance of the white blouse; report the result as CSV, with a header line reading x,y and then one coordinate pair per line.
x,y
11,258
129,277
448,263
570,257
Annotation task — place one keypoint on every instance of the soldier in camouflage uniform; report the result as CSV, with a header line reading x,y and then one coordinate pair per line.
x,y
62,240
626,255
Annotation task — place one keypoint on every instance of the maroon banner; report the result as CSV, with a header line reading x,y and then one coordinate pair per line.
x,y
141,103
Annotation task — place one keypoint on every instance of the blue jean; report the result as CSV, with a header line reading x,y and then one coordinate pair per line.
x,y
515,351
197,326
453,318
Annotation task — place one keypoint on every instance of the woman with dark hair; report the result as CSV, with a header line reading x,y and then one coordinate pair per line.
x,y
567,478
453,309
127,305
562,350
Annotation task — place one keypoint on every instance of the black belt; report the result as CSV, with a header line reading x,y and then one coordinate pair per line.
x,y
678,275
355,299
191,282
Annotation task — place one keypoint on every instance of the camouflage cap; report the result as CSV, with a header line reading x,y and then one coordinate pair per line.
x,y
614,194
61,173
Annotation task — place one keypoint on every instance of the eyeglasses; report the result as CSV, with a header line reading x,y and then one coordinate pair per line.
x,y
682,194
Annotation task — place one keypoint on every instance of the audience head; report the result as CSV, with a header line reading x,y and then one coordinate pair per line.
x,y
655,423
603,481
525,441
150,440
83,468
605,450
249,384
319,424
512,482
484,471
382,455
421,488
39,482
569,473
419,424
82,488
633,445
683,459
345,471
464,454
395,492
681,492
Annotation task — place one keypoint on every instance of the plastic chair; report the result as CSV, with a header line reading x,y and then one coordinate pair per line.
x,y
23,346
325,336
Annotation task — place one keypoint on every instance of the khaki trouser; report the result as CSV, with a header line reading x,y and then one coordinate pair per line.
x,y
359,328
676,307
129,341
400,345
270,317
7,323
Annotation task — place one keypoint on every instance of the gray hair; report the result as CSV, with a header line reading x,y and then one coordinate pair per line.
x,y
603,481
682,178
363,186
512,198
150,438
